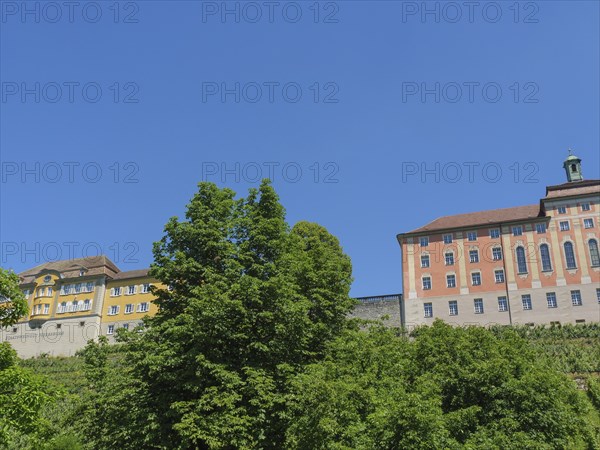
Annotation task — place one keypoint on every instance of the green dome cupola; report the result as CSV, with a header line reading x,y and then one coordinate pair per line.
x,y
572,166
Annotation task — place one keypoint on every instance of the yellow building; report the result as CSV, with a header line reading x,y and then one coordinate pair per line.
x,y
73,301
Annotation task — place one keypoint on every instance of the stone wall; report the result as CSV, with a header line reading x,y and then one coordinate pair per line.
x,y
376,308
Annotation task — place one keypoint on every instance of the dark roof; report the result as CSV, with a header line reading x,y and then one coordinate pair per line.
x,y
573,188
131,274
69,268
480,218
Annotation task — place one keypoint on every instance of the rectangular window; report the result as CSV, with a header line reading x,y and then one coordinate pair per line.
x,y
89,287
588,223
526,300
472,236
551,299
478,304
115,292
146,287
540,228
131,289
143,307
585,206
562,209
598,294
426,283
450,281
424,241
449,258
129,308
474,256
495,233
576,298
46,308
424,261
78,288
447,239
428,308
110,329
126,326
49,291
564,225
66,289
517,231
476,278
453,307
502,304
496,253
499,275
87,304
113,310
27,293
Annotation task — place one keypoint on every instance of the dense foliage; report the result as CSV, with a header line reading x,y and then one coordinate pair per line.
x,y
13,305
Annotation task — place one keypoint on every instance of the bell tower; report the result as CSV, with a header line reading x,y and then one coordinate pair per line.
x,y
572,167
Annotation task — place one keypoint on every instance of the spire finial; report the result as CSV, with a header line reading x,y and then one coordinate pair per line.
x,y
570,151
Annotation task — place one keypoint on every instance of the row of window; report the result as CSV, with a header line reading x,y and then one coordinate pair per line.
x,y
475,279
111,328
77,288
473,257
129,308
478,306
130,290
74,306
516,230
563,209
40,309
569,254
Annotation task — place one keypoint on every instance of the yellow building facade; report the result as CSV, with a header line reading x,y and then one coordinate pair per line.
x,y
73,301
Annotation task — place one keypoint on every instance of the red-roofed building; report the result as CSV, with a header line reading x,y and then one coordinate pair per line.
x,y
528,264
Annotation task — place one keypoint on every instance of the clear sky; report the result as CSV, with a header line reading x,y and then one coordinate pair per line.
x,y
394,114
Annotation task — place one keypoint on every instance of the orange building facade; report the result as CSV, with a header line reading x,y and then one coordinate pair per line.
x,y
535,264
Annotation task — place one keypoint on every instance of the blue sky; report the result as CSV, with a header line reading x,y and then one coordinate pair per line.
x,y
378,106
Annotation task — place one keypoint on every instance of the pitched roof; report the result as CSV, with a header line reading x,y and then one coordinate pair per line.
x,y
131,274
478,218
573,188
68,268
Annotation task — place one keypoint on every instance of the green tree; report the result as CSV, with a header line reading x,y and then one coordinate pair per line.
x,y
13,304
250,303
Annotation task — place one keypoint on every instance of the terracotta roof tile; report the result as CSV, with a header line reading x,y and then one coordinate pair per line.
x,y
478,218
69,268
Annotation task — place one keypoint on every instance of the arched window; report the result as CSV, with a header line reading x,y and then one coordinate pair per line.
x,y
521,261
570,255
545,256
594,255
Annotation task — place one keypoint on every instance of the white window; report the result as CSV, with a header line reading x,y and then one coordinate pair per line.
x,y
474,256
570,255
449,258
551,299
476,278
46,308
598,294
521,260
585,206
588,223
143,307
89,287
472,236
110,329
131,289
87,304
146,288
526,301
49,291
115,292
494,233
502,304
113,310
62,308
499,275
27,293
424,241
562,209
540,228
478,305
496,253
517,231
564,225
426,283
129,308
453,307
424,260
576,298
447,238
428,309
450,281
594,253
78,288
126,326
